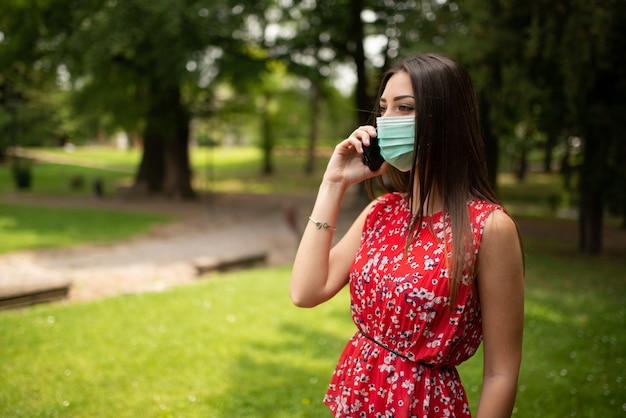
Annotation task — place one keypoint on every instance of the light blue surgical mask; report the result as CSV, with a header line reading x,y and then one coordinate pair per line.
x,y
396,137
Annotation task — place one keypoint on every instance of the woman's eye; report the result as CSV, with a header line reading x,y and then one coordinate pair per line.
x,y
406,108
382,110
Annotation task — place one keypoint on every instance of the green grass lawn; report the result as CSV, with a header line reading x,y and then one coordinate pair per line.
x,y
238,170
233,169
231,346
27,227
234,346
574,341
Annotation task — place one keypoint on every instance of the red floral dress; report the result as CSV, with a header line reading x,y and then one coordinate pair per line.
x,y
401,362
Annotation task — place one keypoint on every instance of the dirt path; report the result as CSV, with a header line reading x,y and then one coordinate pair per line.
x,y
222,226
219,227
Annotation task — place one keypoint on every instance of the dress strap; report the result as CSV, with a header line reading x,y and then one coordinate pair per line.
x,y
430,366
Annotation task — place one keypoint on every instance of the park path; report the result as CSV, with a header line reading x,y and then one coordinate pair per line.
x,y
217,226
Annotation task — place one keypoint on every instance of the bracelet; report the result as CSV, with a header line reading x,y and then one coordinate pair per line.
x,y
320,225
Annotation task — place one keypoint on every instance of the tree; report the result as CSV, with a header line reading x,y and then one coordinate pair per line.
x,y
559,65
319,36
490,39
595,80
30,103
137,65
150,53
311,42
577,48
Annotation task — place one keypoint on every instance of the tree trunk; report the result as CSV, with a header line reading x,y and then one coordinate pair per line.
x,y
177,181
548,157
522,163
592,194
149,178
363,101
267,143
590,222
313,128
165,167
492,149
356,37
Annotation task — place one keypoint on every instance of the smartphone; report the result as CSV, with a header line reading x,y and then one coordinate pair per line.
x,y
371,155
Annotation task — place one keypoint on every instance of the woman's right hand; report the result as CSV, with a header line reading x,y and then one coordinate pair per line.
x,y
346,164
320,269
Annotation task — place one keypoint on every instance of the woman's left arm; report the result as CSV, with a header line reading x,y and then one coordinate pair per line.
x,y
501,292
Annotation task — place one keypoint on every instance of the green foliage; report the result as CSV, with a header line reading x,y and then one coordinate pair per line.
x,y
30,114
546,70
33,227
112,62
30,101
552,71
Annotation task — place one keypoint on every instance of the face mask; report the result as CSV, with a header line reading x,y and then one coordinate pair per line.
x,y
396,137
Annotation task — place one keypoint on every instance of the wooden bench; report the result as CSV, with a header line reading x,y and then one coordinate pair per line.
x,y
30,294
207,264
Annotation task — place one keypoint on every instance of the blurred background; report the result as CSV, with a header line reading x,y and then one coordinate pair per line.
x,y
213,120
167,79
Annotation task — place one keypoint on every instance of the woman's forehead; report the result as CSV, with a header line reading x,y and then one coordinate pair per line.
x,y
398,86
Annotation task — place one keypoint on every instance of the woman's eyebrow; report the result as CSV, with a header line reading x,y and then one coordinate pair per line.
x,y
395,99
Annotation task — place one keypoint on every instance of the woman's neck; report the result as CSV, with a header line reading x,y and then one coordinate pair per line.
x,y
432,204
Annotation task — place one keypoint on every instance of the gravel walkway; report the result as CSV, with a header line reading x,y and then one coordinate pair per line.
x,y
220,227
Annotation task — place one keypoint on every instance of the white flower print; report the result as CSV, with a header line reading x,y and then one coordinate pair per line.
x,y
398,298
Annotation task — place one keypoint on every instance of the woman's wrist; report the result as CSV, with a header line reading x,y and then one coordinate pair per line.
x,y
332,188
328,202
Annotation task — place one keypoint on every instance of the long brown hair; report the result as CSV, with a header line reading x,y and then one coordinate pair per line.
x,y
449,156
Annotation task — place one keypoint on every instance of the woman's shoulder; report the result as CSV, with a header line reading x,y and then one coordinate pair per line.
x,y
481,209
491,218
484,205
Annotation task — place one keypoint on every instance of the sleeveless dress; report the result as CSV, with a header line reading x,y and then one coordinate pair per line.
x,y
401,361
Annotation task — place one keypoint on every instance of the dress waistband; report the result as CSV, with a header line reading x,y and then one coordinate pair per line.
x,y
430,366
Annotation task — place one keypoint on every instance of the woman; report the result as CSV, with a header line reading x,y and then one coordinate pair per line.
x,y
434,268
